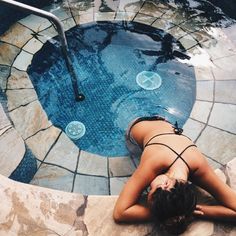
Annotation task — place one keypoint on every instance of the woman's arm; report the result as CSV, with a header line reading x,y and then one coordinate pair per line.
x,y
215,212
207,179
127,208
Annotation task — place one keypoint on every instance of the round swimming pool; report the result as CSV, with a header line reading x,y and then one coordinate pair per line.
x,y
110,58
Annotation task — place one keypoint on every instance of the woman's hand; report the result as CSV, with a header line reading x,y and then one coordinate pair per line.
x,y
198,210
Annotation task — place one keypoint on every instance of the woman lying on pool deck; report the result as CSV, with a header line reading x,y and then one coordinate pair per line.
x,y
169,159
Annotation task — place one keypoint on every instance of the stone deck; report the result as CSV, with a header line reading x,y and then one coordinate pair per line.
x,y
63,166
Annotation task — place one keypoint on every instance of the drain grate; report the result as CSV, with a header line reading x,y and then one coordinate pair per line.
x,y
75,130
148,80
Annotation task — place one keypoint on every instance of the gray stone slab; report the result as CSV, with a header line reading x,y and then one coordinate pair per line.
x,y
91,185
47,34
201,111
193,128
104,16
225,91
188,41
120,166
4,73
217,144
35,23
33,46
128,16
224,69
19,80
23,60
29,119
17,98
84,18
92,164
205,90
68,23
130,5
40,143
65,153
50,176
213,164
105,6
117,184
12,151
8,53
203,73
17,35
223,117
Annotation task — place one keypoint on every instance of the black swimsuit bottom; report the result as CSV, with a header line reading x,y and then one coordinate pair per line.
x,y
177,131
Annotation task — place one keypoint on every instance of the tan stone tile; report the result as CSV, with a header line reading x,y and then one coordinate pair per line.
x,y
92,164
104,16
29,119
193,128
12,151
223,117
120,166
148,20
8,53
231,173
84,18
60,12
53,177
33,46
199,228
19,80
128,16
17,98
201,111
217,144
162,24
23,60
152,9
188,41
68,23
47,34
176,32
129,5
17,35
46,138
105,6
64,153
106,224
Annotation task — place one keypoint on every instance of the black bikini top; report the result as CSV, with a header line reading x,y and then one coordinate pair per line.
x,y
177,131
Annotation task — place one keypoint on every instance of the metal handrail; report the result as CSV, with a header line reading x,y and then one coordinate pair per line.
x,y
61,33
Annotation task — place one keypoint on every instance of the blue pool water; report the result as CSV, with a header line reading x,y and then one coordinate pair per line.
x,y
108,56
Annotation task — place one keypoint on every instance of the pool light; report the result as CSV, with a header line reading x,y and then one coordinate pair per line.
x,y
75,130
148,80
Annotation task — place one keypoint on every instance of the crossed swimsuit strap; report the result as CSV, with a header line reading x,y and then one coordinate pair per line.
x,y
179,155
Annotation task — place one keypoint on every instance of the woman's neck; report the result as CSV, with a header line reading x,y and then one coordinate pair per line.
x,y
182,173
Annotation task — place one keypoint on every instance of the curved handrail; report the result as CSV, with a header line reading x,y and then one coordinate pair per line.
x,y
61,33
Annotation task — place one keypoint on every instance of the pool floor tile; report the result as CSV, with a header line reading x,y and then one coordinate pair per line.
x,y
217,144
223,117
117,184
92,164
91,185
64,153
50,176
